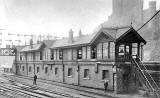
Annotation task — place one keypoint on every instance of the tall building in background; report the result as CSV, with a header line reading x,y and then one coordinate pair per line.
x,y
131,12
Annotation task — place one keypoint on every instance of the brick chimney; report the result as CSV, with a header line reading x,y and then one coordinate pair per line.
x,y
80,33
31,43
70,36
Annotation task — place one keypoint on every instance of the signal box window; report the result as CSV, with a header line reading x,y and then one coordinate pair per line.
x,y
41,57
52,55
93,53
60,54
79,53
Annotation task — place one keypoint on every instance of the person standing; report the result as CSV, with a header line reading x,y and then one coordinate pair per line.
x,y
105,85
35,79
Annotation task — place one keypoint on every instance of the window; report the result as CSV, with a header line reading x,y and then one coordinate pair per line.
x,y
51,66
56,71
30,69
60,54
79,53
105,50
70,73
37,69
121,51
86,73
46,70
52,54
99,50
112,50
105,74
134,49
41,57
20,57
23,68
93,53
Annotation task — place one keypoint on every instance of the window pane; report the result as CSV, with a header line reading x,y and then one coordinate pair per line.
x,y
93,52
134,49
60,54
105,49
79,53
112,50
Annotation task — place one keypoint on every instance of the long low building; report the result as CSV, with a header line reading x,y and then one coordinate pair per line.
x,y
86,60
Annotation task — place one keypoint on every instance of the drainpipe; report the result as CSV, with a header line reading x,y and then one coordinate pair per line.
x,y
26,63
78,74
63,68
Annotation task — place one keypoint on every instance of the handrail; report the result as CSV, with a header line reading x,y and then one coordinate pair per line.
x,y
150,76
143,79
143,75
152,88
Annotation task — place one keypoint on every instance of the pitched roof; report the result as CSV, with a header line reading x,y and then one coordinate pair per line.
x,y
113,32
34,47
85,39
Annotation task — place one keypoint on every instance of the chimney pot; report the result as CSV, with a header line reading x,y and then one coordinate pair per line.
x,y
80,33
70,36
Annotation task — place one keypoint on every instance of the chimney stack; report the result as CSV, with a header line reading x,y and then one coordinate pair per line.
x,y
80,33
31,43
70,36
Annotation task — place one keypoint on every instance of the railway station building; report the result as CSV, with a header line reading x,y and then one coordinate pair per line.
x,y
85,60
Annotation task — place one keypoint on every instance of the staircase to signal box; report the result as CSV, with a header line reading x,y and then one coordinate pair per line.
x,y
145,77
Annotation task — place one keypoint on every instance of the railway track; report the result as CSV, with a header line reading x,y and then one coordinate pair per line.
x,y
19,90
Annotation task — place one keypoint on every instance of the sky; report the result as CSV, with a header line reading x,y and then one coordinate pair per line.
x,y
56,17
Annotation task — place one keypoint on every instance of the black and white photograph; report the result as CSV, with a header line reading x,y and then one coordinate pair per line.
x,y
79,48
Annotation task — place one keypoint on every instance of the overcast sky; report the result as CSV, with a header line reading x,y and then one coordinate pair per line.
x,y
53,16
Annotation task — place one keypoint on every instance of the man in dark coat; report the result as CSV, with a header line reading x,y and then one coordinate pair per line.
x,y
35,79
105,85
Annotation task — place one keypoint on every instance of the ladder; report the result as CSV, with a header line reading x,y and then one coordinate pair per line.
x,y
145,77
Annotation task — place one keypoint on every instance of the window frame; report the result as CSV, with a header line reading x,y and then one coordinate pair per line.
x,y
23,68
60,54
41,55
86,74
52,55
70,72
30,69
38,70
105,76
46,71
79,53
93,52
56,71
